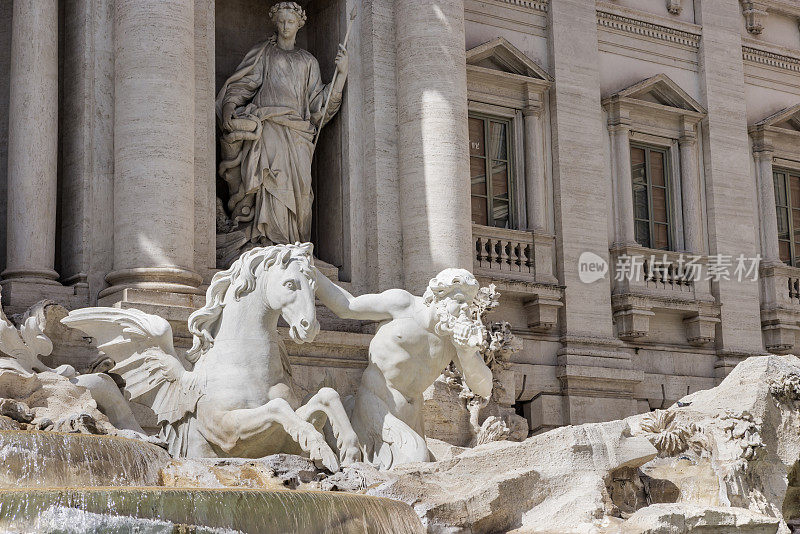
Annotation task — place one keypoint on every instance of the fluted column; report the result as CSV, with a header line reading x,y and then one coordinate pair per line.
x,y
621,148
534,180
433,139
33,142
690,189
154,85
766,206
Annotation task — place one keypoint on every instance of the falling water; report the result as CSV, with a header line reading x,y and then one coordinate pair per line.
x,y
54,459
200,510
80,483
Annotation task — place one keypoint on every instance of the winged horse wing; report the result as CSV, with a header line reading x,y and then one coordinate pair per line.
x,y
141,346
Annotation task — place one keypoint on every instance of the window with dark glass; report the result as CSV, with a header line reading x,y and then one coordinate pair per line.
x,y
490,170
787,204
651,197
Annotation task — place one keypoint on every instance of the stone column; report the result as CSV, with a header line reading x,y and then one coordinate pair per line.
x,y
33,142
620,130
433,139
766,206
690,192
535,189
154,144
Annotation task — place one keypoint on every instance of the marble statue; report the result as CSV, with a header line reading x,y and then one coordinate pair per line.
x,y
239,399
270,111
20,352
419,337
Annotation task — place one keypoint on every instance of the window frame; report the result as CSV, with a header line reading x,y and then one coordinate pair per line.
x,y
787,173
668,189
486,119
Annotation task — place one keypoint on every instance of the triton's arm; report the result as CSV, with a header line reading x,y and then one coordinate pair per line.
x,y
476,373
369,307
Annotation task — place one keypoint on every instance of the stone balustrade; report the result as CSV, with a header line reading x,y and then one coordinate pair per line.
x,y
503,252
780,306
645,281
520,264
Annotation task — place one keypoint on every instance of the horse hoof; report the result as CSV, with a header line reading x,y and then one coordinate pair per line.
x,y
326,459
351,455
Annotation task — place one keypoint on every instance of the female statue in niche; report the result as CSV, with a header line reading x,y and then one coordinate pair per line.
x,y
269,112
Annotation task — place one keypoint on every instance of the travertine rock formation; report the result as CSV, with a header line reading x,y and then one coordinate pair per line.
x,y
722,460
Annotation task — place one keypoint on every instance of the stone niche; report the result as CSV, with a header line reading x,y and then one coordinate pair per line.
x,y
240,25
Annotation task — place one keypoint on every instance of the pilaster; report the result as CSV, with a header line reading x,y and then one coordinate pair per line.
x,y
596,376
729,184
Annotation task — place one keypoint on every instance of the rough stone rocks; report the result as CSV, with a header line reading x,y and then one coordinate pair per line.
x,y
686,518
52,397
554,480
82,423
18,411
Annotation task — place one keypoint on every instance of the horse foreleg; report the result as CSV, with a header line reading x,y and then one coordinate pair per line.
x,y
233,428
326,403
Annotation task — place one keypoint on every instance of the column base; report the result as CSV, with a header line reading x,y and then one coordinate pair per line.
x,y
41,276
159,279
19,294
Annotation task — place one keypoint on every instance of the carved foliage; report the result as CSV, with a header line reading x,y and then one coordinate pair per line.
x,y
786,388
742,429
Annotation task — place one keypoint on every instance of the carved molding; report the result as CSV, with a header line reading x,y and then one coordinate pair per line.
x,y
771,59
534,5
622,23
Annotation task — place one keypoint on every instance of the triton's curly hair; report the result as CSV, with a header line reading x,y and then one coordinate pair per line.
x,y
291,6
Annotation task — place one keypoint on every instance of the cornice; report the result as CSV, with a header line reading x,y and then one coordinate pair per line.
x,y
606,18
771,59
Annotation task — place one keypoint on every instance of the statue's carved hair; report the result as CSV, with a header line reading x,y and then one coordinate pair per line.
x,y
241,278
291,6
443,282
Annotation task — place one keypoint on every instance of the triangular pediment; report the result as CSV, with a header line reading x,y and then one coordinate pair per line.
x,y
787,119
500,55
660,89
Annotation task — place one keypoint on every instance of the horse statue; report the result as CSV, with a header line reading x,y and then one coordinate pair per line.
x,y
239,399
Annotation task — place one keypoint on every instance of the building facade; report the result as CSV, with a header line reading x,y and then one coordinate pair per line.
x,y
627,173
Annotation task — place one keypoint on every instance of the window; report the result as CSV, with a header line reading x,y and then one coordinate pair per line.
x,y
490,155
651,197
787,204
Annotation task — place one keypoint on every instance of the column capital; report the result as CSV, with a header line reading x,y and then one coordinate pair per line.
x,y
687,140
533,110
619,126
763,151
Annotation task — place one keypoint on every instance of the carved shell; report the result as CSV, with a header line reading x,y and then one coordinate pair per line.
x,y
669,437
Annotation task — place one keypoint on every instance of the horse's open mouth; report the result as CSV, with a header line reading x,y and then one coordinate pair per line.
x,y
299,334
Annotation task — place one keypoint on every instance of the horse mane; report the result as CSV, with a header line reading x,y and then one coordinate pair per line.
x,y
241,277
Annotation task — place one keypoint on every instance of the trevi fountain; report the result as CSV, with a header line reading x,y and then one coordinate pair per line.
x,y
237,446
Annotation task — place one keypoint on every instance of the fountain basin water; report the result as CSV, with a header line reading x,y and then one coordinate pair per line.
x,y
240,510
56,459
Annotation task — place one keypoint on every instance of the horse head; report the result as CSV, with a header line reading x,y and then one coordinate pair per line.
x,y
289,287
280,277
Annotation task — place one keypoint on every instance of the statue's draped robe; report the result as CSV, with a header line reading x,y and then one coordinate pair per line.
x,y
266,161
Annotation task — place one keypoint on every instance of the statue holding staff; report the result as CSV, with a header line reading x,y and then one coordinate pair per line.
x,y
270,112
